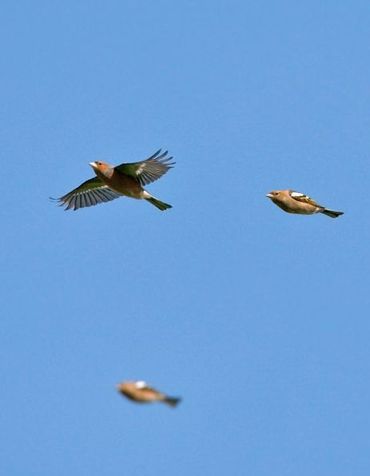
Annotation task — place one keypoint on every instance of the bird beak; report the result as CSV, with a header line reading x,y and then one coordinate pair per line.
x,y
92,164
269,195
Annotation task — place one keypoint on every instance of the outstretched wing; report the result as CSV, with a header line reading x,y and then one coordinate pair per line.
x,y
301,197
90,193
148,170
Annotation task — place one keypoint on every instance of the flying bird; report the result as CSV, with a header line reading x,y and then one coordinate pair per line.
x,y
296,202
123,180
140,392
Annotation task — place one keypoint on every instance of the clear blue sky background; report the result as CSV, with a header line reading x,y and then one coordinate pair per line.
x,y
257,318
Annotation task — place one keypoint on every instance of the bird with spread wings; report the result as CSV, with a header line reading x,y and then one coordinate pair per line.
x,y
127,179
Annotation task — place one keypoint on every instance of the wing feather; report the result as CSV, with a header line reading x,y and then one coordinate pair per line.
x,y
301,197
89,193
148,170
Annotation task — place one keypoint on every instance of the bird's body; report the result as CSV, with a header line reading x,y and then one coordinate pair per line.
x,y
112,182
298,203
140,392
117,181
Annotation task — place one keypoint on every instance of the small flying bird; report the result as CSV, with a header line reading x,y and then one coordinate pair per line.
x,y
140,392
123,180
296,202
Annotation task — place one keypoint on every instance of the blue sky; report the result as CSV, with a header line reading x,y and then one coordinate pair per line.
x,y
257,318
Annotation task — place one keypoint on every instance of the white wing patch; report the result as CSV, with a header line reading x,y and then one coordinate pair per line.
x,y
140,384
140,169
298,195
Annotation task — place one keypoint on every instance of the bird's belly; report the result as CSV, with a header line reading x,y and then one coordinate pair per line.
x,y
125,186
302,209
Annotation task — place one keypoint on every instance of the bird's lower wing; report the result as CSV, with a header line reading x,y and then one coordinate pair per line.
x,y
148,170
90,193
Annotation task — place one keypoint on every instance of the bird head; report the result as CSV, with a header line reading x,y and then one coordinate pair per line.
x,y
102,168
273,195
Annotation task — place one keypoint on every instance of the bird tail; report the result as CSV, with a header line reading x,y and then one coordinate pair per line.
x,y
172,401
331,213
157,203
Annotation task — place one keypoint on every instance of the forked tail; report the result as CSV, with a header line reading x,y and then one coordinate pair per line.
x,y
157,203
331,213
172,401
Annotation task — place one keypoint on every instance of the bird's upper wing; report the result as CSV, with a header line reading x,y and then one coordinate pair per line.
x,y
89,193
141,385
301,197
148,170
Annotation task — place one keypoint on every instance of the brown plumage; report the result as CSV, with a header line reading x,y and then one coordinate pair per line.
x,y
111,182
140,392
296,202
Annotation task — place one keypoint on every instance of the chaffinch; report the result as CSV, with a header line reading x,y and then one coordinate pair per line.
x,y
140,392
296,202
123,180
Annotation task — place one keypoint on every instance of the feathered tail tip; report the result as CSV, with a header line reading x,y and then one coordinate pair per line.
x,y
172,401
331,213
157,203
